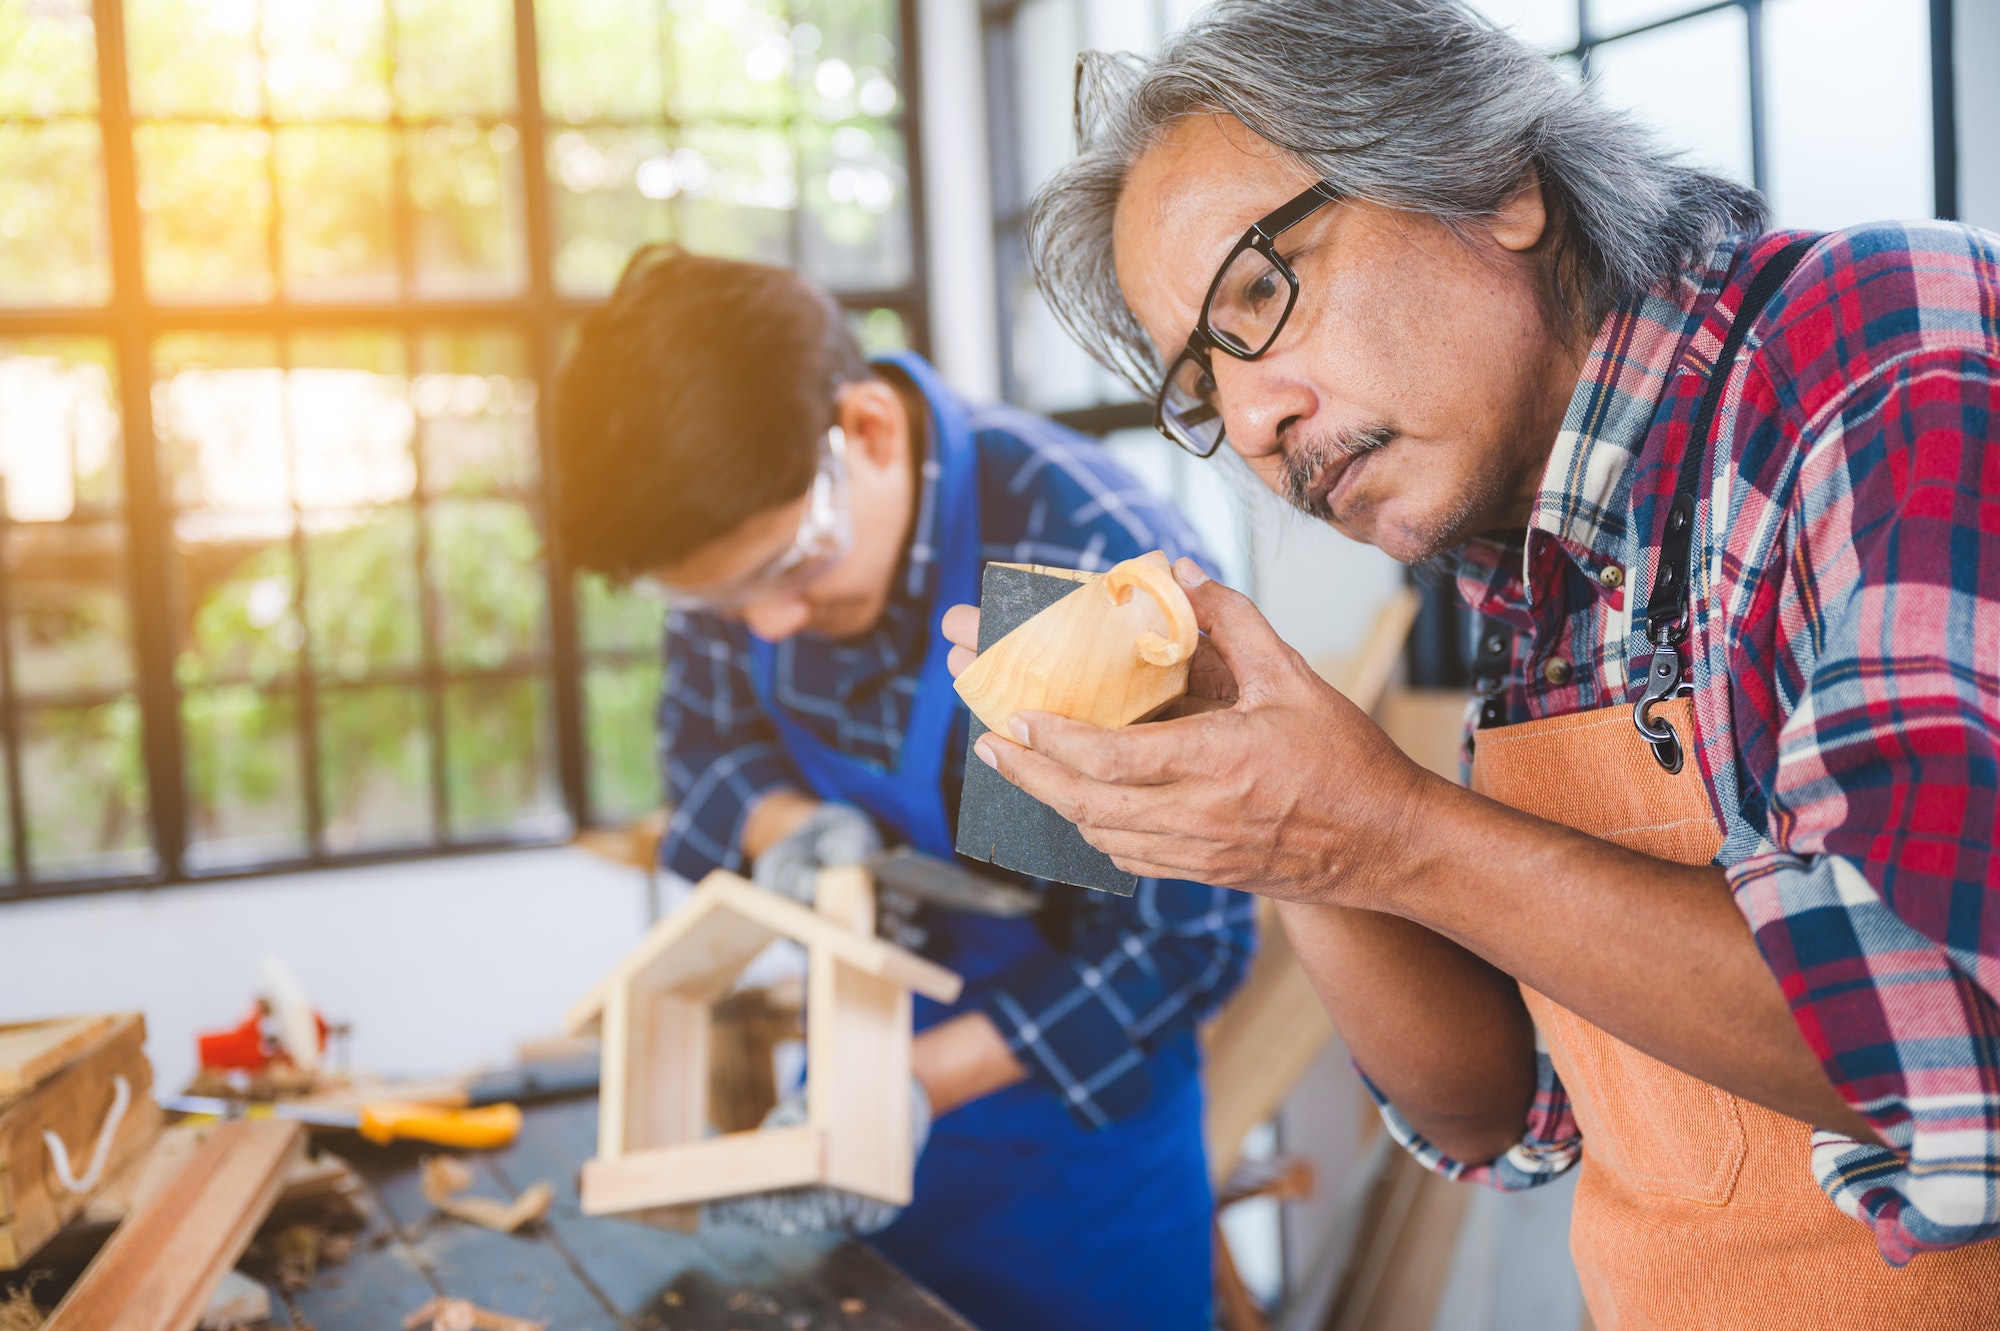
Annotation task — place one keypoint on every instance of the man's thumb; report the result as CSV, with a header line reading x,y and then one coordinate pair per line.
x,y
1236,628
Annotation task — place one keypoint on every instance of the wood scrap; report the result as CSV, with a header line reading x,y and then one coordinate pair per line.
x,y
237,1304
17,1305
78,1104
464,1315
446,1177
31,1050
162,1265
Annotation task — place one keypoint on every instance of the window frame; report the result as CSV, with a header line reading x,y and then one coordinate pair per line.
x,y
132,321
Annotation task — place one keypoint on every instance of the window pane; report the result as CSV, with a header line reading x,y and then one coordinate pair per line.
x,y
50,64
601,59
1690,84
465,195
846,63
235,583
1608,17
619,702
219,414
193,58
350,420
856,231
374,754
1546,25
326,58
361,591
499,764
454,57
487,574
612,188
879,331
246,800
731,60
205,200
738,190
71,632
476,408
1837,159
59,436
1045,48
336,234
52,221
85,787
618,619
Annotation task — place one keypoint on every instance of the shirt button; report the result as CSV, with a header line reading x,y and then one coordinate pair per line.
x,y
1556,670
1611,576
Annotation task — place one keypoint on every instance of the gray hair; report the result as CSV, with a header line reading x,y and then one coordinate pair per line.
x,y
1418,105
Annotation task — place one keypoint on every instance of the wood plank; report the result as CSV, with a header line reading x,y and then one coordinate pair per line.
x,y
161,1265
715,945
666,1095
616,1033
858,1057
73,1103
31,1050
870,955
742,1162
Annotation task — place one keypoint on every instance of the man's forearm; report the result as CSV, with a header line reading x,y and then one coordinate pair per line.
x,y
1439,1031
962,1060
1652,952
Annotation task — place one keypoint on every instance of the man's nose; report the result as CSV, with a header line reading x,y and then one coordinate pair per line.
x,y
1260,401
776,618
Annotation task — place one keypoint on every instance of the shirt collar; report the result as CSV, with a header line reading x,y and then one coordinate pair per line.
x,y
1585,496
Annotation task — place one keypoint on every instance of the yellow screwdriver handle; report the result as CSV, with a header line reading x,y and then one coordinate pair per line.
x,y
477,1129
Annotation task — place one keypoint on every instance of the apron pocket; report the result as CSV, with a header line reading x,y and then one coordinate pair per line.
x,y
1660,1130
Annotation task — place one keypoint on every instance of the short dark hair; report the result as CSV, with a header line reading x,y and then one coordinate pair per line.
x,y
692,400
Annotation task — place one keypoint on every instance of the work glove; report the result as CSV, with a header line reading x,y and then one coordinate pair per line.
x,y
834,835
818,1210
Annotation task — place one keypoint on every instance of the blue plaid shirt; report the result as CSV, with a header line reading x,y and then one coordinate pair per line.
x,y
1129,974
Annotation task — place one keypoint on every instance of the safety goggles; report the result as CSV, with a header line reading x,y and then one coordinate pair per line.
x,y
825,537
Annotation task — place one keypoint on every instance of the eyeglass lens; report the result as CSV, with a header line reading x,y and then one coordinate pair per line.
x,y
1249,303
1188,408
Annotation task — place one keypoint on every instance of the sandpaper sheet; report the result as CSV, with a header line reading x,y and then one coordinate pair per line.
x,y
998,822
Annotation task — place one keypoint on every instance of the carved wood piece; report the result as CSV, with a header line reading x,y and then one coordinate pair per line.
x,y
1114,650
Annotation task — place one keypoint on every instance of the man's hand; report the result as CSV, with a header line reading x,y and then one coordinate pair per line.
x,y
818,1210
1281,786
831,836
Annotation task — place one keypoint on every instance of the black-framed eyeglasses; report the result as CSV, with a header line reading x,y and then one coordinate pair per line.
x,y
1245,310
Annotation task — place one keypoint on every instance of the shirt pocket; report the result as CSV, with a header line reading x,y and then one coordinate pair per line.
x,y
1658,1129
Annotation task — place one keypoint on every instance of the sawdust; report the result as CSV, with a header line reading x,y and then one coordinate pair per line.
x,y
17,1305
445,1177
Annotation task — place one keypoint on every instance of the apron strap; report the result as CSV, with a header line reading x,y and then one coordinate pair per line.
x,y
1667,603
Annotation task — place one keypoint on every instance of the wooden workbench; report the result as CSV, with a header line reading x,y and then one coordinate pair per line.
x,y
584,1274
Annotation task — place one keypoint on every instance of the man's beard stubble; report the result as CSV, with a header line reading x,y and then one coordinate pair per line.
x,y
1445,532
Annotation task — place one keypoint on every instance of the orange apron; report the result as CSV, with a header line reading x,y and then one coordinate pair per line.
x,y
1696,1209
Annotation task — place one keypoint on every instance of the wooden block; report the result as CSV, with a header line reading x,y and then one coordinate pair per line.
x,y
1115,649
731,1166
73,1103
163,1263
668,1105
998,822
861,1087
30,1051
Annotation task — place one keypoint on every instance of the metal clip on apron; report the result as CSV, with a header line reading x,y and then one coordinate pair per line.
x,y
1022,1219
1696,1210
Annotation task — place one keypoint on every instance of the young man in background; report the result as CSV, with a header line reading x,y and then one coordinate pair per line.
x,y
811,515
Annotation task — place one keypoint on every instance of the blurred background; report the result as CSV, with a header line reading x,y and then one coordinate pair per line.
x,y
282,283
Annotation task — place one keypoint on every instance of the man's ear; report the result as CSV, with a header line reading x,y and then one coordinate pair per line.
x,y
1519,223
871,416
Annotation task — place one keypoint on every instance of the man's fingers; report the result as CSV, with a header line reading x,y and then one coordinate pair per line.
x,y
1249,647
1144,755
1209,677
1046,779
960,660
961,627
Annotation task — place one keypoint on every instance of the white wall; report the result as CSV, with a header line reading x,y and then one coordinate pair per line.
x,y
1976,29
439,965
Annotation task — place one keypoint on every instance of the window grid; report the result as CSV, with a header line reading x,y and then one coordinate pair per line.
x,y
134,322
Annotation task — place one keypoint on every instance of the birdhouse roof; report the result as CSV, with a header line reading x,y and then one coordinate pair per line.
x,y
715,933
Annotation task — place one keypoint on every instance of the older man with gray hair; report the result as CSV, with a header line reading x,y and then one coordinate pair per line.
x,y
1720,913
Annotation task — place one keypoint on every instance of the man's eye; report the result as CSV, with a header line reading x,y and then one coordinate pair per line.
x,y
1263,289
1204,387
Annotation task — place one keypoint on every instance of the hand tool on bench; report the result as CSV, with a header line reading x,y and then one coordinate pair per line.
x,y
381,1122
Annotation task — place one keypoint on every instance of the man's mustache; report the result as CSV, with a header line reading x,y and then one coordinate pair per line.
x,y
1304,463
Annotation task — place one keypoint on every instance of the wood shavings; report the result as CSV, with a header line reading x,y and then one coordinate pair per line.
x,y
464,1315
17,1305
445,1177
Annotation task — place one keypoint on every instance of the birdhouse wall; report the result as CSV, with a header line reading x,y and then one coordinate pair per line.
x,y
858,1065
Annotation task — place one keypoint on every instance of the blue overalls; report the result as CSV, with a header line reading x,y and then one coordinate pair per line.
x,y
1023,1220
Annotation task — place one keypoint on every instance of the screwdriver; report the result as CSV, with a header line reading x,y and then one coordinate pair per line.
x,y
381,1122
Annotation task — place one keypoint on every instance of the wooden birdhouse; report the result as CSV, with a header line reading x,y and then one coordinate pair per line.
x,y
654,1149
